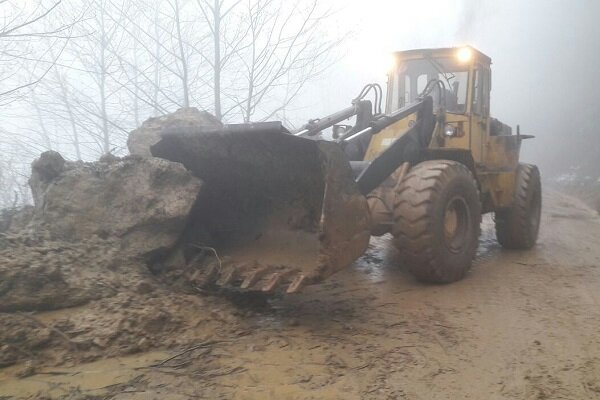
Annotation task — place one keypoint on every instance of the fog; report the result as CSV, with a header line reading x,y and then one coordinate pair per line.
x,y
545,74
544,53
545,56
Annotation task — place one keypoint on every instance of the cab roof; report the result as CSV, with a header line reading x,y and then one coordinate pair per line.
x,y
441,52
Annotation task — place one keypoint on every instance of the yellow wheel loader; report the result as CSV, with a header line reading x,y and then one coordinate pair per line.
x,y
284,209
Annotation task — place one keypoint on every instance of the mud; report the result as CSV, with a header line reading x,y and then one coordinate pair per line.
x,y
38,273
521,325
65,302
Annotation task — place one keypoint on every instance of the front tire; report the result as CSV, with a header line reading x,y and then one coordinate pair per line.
x,y
517,227
437,217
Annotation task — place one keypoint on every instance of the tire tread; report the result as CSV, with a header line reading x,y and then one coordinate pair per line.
x,y
414,215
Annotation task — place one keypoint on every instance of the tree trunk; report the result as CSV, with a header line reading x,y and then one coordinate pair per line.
x,y
184,66
156,63
103,73
217,57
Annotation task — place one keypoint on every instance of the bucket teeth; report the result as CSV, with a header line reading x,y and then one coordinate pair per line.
x,y
212,272
275,279
254,277
228,276
296,284
250,276
272,282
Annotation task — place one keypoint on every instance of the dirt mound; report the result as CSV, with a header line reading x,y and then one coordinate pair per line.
x,y
77,276
38,273
66,302
125,322
144,202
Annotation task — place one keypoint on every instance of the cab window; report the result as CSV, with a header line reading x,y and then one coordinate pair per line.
x,y
481,90
412,76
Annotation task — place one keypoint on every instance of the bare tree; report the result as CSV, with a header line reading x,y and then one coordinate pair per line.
x,y
217,16
64,98
268,50
252,57
26,37
95,53
115,62
33,35
165,70
14,192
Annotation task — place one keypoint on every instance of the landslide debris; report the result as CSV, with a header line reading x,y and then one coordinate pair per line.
x,y
39,274
76,269
142,201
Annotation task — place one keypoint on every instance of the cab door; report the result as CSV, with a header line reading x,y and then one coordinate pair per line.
x,y
480,111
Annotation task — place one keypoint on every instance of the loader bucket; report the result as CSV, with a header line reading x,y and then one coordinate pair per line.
x,y
278,210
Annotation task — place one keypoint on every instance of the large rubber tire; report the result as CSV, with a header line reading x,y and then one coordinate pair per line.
x,y
517,227
437,216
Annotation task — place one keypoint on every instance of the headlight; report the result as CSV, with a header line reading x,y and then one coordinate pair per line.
x,y
464,55
391,63
450,130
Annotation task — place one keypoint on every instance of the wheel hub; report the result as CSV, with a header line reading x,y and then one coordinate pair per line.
x,y
450,223
456,224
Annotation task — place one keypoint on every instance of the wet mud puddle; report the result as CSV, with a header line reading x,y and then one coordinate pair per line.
x,y
92,378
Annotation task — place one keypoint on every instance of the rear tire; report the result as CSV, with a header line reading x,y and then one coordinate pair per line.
x,y
517,227
437,215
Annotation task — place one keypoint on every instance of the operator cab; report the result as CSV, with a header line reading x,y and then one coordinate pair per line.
x,y
463,73
459,81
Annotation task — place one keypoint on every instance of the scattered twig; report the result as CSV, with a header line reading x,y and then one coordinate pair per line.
x,y
395,324
60,333
233,370
198,346
53,373
214,252
530,264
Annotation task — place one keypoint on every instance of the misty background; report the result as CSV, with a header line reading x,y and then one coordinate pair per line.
x,y
76,76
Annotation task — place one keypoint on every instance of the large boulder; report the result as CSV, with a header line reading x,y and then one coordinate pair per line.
x,y
148,134
44,170
144,202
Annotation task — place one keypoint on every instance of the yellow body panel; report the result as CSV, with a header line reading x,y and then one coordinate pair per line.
x,y
502,153
500,186
383,139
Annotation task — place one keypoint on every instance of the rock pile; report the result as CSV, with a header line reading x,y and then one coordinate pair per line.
x,y
88,240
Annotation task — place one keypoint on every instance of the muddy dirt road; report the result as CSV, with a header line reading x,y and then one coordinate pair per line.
x,y
522,325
